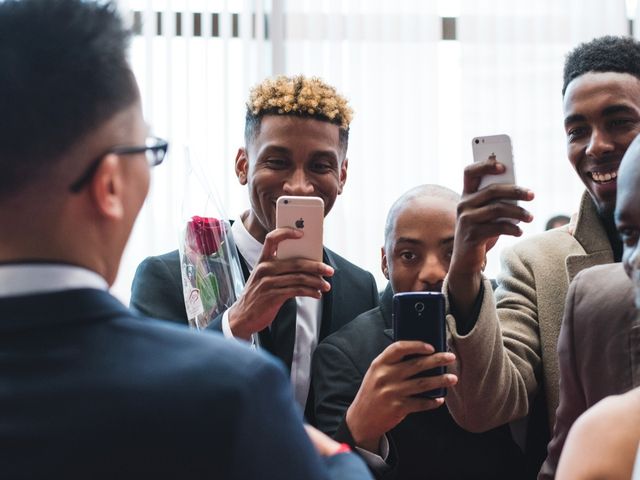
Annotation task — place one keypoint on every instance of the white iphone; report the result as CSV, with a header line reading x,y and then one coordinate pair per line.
x,y
306,214
498,146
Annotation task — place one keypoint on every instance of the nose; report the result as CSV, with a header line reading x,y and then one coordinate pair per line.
x,y
432,273
298,184
600,143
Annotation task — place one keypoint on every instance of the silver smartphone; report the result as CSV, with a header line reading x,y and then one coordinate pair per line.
x,y
499,147
306,214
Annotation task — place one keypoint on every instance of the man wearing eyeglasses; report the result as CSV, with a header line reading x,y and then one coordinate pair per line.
x,y
88,389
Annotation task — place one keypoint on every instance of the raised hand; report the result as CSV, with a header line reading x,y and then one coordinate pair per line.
x,y
386,395
272,282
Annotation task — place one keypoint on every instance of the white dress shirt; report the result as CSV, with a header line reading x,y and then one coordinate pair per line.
x,y
33,278
308,317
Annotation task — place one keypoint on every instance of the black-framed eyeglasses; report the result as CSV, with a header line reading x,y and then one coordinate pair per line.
x,y
155,149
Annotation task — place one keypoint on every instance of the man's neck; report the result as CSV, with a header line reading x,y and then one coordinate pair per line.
x,y
253,226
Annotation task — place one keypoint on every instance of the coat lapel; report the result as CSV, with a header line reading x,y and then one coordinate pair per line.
x,y
329,299
590,234
386,310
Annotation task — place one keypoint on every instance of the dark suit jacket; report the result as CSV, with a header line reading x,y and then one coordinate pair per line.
x,y
598,348
88,390
157,292
426,444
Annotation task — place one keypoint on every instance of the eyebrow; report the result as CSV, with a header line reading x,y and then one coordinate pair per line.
x,y
415,241
446,240
608,111
275,149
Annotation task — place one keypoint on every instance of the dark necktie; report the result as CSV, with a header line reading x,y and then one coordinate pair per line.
x,y
283,332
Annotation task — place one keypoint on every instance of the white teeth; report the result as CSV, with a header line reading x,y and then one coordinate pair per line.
x,y
604,177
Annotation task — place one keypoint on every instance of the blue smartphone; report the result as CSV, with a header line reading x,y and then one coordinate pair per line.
x,y
421,316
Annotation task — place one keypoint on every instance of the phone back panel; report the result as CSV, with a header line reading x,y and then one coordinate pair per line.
x,y
421,316
500,147
306,214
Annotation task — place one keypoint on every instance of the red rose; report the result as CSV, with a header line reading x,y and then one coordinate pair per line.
x,y
204,234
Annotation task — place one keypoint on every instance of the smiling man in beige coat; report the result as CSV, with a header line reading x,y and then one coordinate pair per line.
x,y
506,347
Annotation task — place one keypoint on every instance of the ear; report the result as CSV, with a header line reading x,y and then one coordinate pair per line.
x,y
107,188
242,166
343,175
384,264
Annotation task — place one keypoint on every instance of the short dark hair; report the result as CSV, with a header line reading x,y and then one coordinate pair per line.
x,y
297,96
603,54
64,73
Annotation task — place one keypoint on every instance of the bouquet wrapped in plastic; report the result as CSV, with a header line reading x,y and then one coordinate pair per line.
x,y
212,277
211,274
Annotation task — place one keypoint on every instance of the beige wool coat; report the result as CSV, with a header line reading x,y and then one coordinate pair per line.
x,y
513,345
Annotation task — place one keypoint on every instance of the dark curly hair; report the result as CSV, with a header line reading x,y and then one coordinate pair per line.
x,y
603,54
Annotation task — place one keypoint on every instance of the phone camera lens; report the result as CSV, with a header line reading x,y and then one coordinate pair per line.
x,y
286,202
477,141
419,307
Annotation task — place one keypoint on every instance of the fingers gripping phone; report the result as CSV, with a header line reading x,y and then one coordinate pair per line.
x,y
306,214
498,147
421,316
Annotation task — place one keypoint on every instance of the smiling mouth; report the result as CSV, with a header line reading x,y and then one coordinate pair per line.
x,y
604,177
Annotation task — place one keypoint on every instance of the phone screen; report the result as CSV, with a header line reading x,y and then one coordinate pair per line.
x,y
421,316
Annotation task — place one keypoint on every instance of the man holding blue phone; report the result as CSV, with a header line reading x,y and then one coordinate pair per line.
x,y
368,393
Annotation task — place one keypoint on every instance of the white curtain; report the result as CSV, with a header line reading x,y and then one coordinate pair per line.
x,y
193,86
418,100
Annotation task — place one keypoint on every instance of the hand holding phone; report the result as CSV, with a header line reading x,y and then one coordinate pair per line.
x,y
306,214
421,316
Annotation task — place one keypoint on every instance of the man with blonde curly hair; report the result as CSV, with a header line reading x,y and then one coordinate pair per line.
x,y
296,136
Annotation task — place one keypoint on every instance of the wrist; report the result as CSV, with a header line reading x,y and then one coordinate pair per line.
x,y
463,283
235,324
463,291
361,437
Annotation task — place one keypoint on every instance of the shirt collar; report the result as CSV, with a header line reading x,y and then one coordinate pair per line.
x,y
27,279
249,247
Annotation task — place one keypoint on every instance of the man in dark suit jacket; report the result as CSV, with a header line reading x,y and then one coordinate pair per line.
x,y
364,388
297,147
90,390
599,343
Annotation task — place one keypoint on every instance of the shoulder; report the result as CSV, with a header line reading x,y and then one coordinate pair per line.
x,y
346,267
362,339
169,260
369,323
605,437
552,243
605,288
190,360
610,274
